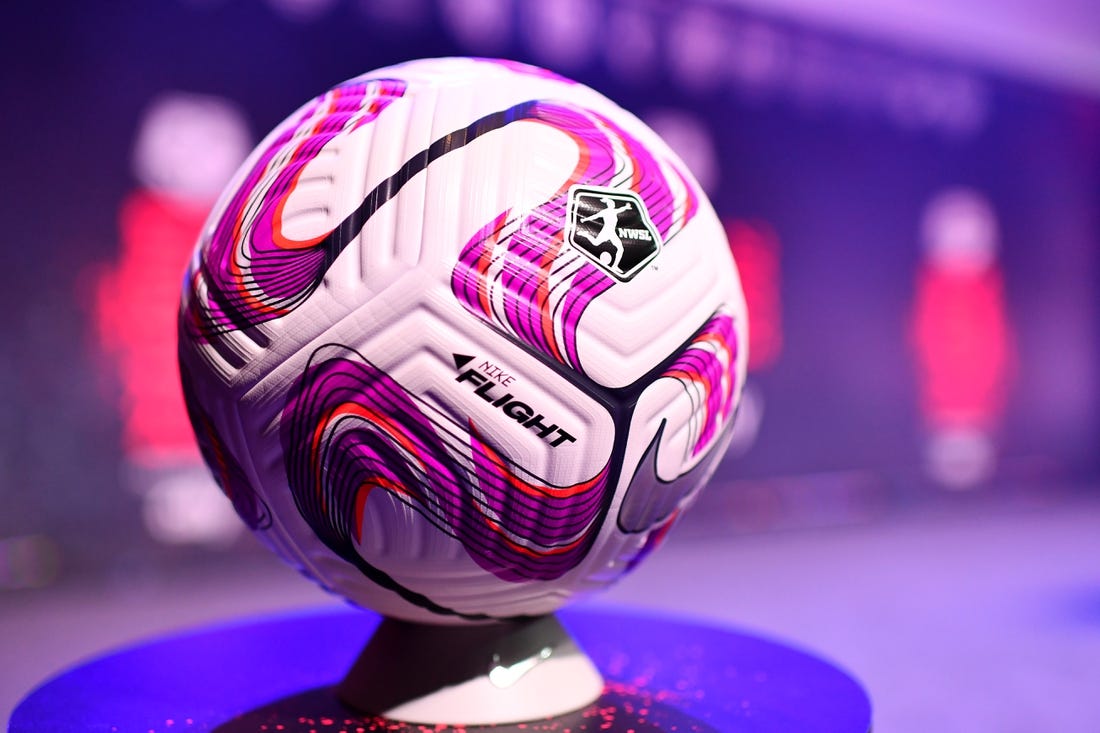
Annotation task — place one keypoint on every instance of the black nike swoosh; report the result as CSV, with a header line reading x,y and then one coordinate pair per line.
x,y
650,500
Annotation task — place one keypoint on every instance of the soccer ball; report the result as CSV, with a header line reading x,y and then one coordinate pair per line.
x,y
461,340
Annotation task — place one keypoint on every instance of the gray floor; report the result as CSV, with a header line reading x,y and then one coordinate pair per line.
x,y
986,619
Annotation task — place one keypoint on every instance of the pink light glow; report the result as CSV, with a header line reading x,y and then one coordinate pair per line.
x,y
755,248
135,317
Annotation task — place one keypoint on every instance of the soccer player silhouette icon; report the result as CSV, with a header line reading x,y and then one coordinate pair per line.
x,y
608,234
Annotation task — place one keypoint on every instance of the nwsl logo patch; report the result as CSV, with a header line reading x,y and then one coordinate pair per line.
x,y
612,228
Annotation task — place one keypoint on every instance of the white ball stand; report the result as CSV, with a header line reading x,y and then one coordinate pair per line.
x,y
487,674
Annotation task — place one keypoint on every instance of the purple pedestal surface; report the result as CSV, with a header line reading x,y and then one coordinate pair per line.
x,y
278,674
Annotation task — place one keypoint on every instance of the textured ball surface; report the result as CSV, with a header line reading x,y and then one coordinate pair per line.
x,y
461,340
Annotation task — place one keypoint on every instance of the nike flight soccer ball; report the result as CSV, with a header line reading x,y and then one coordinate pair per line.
x,y
461,340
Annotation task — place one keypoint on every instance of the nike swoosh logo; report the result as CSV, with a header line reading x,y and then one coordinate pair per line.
x,y
505,677
649,499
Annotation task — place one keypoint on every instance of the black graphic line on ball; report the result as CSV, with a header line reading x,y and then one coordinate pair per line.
x,y
346,232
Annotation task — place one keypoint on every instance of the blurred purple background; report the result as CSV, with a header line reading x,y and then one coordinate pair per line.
x,y
912,191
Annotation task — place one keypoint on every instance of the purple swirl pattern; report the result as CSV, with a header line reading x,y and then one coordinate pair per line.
x,y
706,370
515,272
538,531
227,472
349,429
249,271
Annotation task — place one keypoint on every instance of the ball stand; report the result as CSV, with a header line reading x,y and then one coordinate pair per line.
x,y
505,672
282,674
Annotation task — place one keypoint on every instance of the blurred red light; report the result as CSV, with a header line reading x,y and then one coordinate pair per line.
x,y
755,247
135,317
962,338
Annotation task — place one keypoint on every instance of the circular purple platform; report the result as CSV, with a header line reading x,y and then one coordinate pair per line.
x,y
277,674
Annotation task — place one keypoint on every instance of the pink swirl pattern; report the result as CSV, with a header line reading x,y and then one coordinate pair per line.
x,y
706,369
539,531
249,271
349,429
517,273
